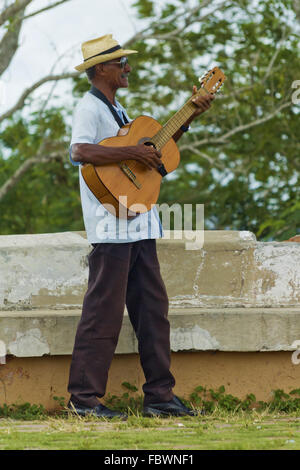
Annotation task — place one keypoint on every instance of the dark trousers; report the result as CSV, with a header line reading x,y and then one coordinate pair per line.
x,y
119,274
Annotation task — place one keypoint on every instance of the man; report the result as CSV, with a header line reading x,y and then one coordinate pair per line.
x,y
123,265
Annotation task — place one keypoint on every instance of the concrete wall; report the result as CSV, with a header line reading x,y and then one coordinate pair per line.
x,y
234,313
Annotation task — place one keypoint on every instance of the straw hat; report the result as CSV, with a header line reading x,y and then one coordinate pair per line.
x,y
100,50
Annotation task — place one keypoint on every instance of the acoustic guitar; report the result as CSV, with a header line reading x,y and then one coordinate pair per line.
x,y
129,188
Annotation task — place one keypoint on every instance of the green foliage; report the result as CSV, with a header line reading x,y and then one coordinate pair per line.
x,y
129,400
24,411
284,227
81,86
211,399
60,401
46,199
129,386
249,180
208,401
284,402
144,8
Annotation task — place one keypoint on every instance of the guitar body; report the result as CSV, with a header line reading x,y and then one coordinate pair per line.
x,y
129,188
126,197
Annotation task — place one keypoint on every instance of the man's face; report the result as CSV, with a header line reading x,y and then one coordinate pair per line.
x,y
116,72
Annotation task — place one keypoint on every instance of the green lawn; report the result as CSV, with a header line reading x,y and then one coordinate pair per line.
x,y
235,431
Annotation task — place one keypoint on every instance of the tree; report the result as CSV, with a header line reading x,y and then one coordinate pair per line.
x,y
34,180
239,159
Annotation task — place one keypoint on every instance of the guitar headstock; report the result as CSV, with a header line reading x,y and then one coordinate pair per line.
x,y
212,80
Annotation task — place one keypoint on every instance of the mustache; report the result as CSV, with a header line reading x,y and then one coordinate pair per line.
x,y
125,75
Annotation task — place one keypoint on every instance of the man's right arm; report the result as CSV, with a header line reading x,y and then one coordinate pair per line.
x,y
100,155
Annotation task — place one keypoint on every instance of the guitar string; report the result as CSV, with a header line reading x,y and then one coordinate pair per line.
x,y
175,122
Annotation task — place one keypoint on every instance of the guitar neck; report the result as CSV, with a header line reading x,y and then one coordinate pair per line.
x,y
174,123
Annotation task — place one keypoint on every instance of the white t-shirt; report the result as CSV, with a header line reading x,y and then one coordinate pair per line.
x,y
93,122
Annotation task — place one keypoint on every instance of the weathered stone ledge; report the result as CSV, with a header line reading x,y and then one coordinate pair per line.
x,y
232,293
45,332
232,269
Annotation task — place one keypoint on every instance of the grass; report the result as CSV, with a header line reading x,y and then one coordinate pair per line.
x,y
229,423
218,431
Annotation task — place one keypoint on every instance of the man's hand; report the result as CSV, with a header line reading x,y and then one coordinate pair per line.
x,y
147,155
202,103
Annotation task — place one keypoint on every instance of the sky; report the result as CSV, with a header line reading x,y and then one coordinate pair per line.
x,y
51,42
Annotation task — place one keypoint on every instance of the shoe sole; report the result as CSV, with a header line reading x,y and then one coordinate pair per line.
x,y
92,413
154,412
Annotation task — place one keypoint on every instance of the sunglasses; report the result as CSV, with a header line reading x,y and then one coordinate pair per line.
x,y
123,62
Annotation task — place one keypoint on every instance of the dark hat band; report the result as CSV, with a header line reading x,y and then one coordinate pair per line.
x,y
108,51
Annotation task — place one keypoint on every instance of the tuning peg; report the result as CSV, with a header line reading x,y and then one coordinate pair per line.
x,y
218,85
202,78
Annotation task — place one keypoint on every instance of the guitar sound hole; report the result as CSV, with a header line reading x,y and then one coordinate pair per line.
x,y
150,144
146,141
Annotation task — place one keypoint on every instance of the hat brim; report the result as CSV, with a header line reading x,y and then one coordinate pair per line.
x,y
104,58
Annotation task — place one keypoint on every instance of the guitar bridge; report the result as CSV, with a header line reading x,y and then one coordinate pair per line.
x,y
129,173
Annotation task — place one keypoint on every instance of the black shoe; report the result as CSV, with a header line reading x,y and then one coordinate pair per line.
x,y
174,407
100,411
